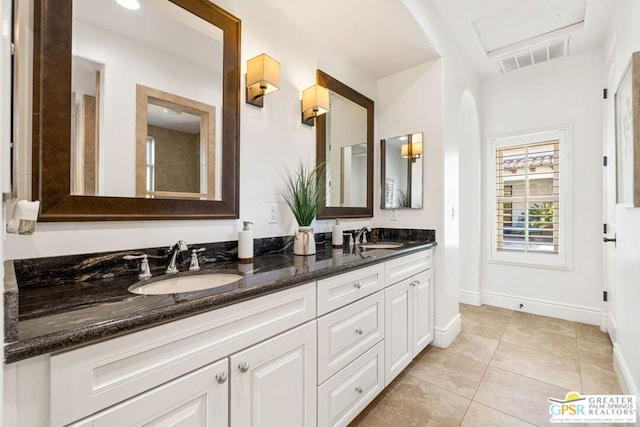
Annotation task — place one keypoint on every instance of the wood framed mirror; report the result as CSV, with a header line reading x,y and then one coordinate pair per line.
x,y
52,124
344,139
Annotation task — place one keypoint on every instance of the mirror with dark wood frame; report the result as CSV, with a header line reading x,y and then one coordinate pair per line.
x,y
52,157
344,139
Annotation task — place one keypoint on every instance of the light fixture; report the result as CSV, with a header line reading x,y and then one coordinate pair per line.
x,y
129,4
171,112
413,150
263,77
315,102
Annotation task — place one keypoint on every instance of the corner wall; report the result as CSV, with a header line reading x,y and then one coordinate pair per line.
x,y
565,91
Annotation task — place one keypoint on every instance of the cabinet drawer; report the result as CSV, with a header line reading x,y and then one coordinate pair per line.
x,y
195,399
348,392
345,334
406,266
89,379
335,292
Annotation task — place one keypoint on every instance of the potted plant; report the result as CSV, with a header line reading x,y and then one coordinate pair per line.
x,y
304,195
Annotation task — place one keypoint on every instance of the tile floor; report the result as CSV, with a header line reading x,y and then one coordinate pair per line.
x,y
499,371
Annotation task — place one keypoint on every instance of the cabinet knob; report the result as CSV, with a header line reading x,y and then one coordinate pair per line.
x,y
243,366
359,331
417,282
359,389
221,377
357,285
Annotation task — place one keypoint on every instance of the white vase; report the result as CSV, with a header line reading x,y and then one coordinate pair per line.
x,y
304,242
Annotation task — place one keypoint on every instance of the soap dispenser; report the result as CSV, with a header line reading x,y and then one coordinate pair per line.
x,y
336,234
245,244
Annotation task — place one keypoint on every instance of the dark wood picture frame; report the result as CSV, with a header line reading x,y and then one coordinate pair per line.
x,y
334,85
627,124
51,163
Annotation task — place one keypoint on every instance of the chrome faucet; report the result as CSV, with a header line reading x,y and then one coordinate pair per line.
x,y
362,233
172,253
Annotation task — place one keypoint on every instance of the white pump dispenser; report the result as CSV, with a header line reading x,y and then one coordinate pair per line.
x,y
336,234
245,244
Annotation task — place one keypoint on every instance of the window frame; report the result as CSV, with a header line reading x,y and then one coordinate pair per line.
x,y
561,259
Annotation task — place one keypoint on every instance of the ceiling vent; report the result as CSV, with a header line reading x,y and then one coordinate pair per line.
x,y
534,55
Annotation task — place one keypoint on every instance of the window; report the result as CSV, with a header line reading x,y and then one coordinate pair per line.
x,y
529,198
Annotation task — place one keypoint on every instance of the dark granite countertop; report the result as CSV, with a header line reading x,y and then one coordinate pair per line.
x,y
41,319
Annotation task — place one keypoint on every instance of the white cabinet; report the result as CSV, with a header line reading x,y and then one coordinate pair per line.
x,y
345,334
198,399
274,383
409,318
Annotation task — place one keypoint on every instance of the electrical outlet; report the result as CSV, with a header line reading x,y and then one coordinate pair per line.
x,y
274,218
394,214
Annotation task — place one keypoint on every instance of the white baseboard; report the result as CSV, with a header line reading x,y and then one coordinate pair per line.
x,y
612,328
571,312
468,297
443,337
623,373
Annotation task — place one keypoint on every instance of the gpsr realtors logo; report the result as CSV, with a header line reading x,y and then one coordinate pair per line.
x,y
593,409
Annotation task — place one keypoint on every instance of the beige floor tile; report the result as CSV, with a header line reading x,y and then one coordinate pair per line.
x,y
559,345
456,374
591,331
368,420
473,347
595,351
486,312
517,395
533,322
482,416
478,324
560,371
598,379
413,402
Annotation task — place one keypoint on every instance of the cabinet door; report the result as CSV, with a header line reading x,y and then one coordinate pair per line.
x,y
199,398
423,315
274,383
398,328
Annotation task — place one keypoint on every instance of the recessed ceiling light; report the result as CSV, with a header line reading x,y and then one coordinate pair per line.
x,y
129,4
403,138
171,112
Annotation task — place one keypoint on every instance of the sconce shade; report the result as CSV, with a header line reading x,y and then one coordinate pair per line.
x,y
416,150
263,77
315,102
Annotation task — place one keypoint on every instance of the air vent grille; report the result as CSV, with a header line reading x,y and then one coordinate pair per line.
x,y
534,55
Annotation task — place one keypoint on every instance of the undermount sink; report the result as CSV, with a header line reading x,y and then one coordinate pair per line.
x,y
381,245
180,284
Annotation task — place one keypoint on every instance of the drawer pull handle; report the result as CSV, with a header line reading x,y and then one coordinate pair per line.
x,y
221,377
357,285
359,331
359,389
243,366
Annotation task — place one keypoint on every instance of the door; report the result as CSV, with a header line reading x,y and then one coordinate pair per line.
x,y
398,330
609,198
199,398
423,315
273,384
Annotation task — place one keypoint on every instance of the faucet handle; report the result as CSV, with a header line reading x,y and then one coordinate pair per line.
x,y
145,271
195,265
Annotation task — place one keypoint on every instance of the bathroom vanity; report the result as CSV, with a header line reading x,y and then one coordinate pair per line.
x,y
309,342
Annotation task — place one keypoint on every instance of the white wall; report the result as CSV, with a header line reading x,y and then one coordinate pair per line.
x,y
565,91
624,38
271,137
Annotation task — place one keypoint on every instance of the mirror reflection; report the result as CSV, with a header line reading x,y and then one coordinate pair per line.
x,y
160,46
346,146
402,171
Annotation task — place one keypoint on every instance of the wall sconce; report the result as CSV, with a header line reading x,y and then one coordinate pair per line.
x,y
413,150
263,77
315,102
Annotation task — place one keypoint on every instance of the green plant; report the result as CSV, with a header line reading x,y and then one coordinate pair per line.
x,y
302,191
403,199
541,215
